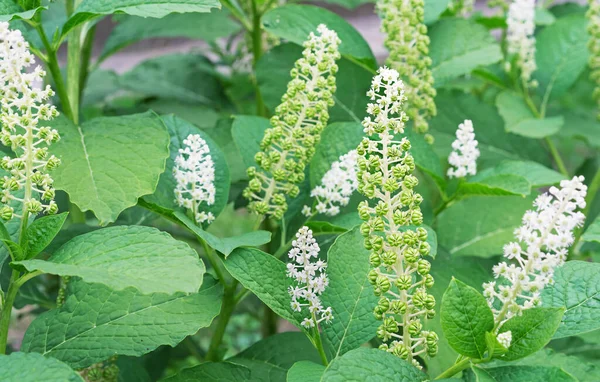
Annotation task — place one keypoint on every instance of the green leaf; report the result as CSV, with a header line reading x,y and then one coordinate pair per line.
x,y
544,17
433,10
575,366
349,294
41,233
295,22
31,367
183,77
324,228
10,10
197,26
426,158
352,82
531,331
228,244
592,233
480,225
271,358
364,364
503,184
305,371
96,322
212,371
248,132
265,276
536,174
164,195
519,119
109,162
127,256
458,46
466,317
90,9
576,287
561,55
520,374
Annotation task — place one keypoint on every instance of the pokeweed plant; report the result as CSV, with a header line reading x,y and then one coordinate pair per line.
x,y
275,206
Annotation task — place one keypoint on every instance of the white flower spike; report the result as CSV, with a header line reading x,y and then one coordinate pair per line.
x,y
337,186
194,172
463,158
543,242
311,280
520,38
22,108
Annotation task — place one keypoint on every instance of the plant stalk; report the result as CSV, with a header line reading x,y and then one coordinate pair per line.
x,y
457,367
319,345
227,308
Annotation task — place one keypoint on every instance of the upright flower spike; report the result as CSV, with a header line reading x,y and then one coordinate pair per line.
x,y
337,186
194,172
310,279
542,245
520,38
400,274
593,15
289,144
22,108
408,44
463,158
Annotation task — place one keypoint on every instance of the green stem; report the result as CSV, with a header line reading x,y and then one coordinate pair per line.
x,y
227,308
86,56
319,343
73,69
237,13
457,367
214,261
557,158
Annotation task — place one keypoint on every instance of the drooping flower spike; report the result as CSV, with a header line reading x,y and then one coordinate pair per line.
x,y
593,15
289,144
407,41
194,172
310,279
520,38
23,107
542,245
463,158
400,274
337,186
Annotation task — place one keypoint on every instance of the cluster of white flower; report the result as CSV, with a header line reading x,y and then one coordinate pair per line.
x,y
464,152
544,239
337,186
310,277
387,90
505,339
520,37
194,172
23,106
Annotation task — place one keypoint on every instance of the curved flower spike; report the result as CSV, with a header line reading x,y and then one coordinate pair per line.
x,y
520,38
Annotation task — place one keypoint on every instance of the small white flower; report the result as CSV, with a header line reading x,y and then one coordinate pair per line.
x,y
520,37
194,172
543,241
310,277
464,152
505,339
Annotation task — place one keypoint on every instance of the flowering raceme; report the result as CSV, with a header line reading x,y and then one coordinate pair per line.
x,y
543,242
310,277
520,38
23,107
408,44
289,145
399,273
593,15
337,186
463,157
194,172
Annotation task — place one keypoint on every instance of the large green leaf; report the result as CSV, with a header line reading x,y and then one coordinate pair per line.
x,y
592,233
164,195
203,26
576,288
295,22
90,9
109,162
433,10
349,294
96,322
365,364
481,226
531,331
561,55
458,46
492,184
41,233
519,119
426,158
352,82
247,132
212,371
11,10
519,374
536,174
575,366
305,371
127,256
271,358
26,367
466,317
